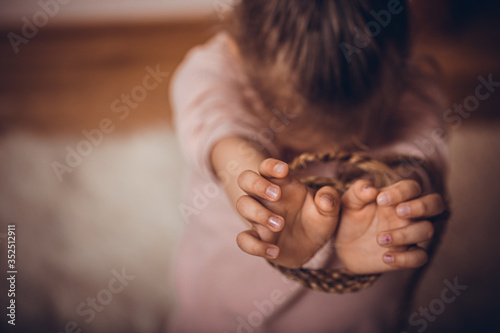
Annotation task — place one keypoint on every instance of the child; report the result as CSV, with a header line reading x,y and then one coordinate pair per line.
x,y
301,76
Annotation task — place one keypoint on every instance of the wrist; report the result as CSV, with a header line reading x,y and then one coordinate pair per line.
x,y
231,156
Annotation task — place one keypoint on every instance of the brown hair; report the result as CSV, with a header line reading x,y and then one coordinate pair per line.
x,y
307,55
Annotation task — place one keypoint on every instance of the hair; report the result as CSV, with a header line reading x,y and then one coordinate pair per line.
x,y
308,55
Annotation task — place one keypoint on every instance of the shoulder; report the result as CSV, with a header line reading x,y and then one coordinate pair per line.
x,y
217,57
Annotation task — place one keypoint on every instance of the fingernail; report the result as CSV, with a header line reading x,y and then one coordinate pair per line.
x,y
403,210
280,167
272,192
274,222
328,199
384,239
384,199
272,252
388,259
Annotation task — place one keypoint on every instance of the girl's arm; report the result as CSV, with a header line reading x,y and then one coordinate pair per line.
x,y
229,158
273,207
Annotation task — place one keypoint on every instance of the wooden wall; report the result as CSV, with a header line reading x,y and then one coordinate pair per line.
x,y
66,78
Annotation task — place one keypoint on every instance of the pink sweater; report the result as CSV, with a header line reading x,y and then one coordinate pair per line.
x,y
219,287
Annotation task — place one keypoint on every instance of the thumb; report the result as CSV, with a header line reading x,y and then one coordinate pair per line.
x,y
327,201
359,195
327,208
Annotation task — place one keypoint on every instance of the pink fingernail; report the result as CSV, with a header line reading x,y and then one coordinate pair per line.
x,y
280,167
272,192
328,199
384,239
388,259
384,199
274,222
272,252
403,210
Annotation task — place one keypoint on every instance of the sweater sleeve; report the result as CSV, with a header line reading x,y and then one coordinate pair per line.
x,y
210,102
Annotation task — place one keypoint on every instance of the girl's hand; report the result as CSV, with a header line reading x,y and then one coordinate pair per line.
x,y
377,238
289,222
405,197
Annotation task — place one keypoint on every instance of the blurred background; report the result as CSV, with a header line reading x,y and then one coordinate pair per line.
x,y
91,175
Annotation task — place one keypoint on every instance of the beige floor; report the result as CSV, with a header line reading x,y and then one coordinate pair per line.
x,y
118,208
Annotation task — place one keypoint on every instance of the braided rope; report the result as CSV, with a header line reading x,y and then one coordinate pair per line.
x,y
351,166
329,281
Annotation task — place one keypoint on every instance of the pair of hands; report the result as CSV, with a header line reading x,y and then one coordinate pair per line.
x,y
373,230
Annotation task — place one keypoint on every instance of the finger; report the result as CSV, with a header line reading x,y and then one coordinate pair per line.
x,y
411,234
423,207
255,212
413,258
401,191
273,168
250,243
257,186
327,204
327,201
359,195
